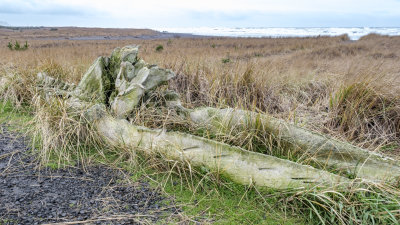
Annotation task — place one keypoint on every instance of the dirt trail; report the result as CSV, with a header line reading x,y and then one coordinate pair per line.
x,y
38,196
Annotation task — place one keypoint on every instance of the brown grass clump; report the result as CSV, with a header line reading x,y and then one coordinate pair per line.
x,y
19,89
337,51
61,134
363,114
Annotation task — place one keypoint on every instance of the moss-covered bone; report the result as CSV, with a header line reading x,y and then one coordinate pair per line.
x,y
95,85
122,92
119,55
50,82
323,150
129,91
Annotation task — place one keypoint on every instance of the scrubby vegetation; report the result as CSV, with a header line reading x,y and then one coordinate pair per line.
x,y
159,48
17,46
348,90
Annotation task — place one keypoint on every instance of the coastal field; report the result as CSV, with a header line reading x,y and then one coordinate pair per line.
x,y
68,32
348,90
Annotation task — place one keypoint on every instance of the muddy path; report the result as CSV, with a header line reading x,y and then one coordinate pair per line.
x,y
96,195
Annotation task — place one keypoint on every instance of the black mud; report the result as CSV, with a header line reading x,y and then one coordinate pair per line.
x,y
95,196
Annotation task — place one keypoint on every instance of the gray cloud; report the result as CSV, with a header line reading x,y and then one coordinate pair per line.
x,y
34,7
51,13
290,19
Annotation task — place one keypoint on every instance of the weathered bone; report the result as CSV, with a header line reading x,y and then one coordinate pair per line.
x,y
50,82
132,83
95,84
323,150
122,81
119,55
133,79
240,165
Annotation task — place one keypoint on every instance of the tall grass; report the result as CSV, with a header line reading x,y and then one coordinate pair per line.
x,y
62,134
361,113
362,203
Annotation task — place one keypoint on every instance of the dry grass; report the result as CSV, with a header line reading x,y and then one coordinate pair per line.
x,y
68,32
350,90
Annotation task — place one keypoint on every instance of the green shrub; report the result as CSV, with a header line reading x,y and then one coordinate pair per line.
x,y
159,48
225,60
17,46
25,46
10,46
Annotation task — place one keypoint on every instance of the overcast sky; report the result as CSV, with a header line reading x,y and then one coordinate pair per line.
x,y
200,13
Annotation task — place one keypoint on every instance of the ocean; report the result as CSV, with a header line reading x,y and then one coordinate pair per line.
x,y
353,32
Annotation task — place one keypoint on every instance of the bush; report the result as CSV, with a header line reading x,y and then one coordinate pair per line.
x,y
17,46
225,60
10,46
159,48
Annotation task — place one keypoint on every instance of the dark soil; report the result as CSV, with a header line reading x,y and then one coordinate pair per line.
x,y
96,195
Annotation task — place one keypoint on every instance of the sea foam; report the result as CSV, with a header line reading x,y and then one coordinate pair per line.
x,y
353,32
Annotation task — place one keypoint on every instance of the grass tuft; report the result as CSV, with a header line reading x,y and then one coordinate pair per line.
x,y
363,114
